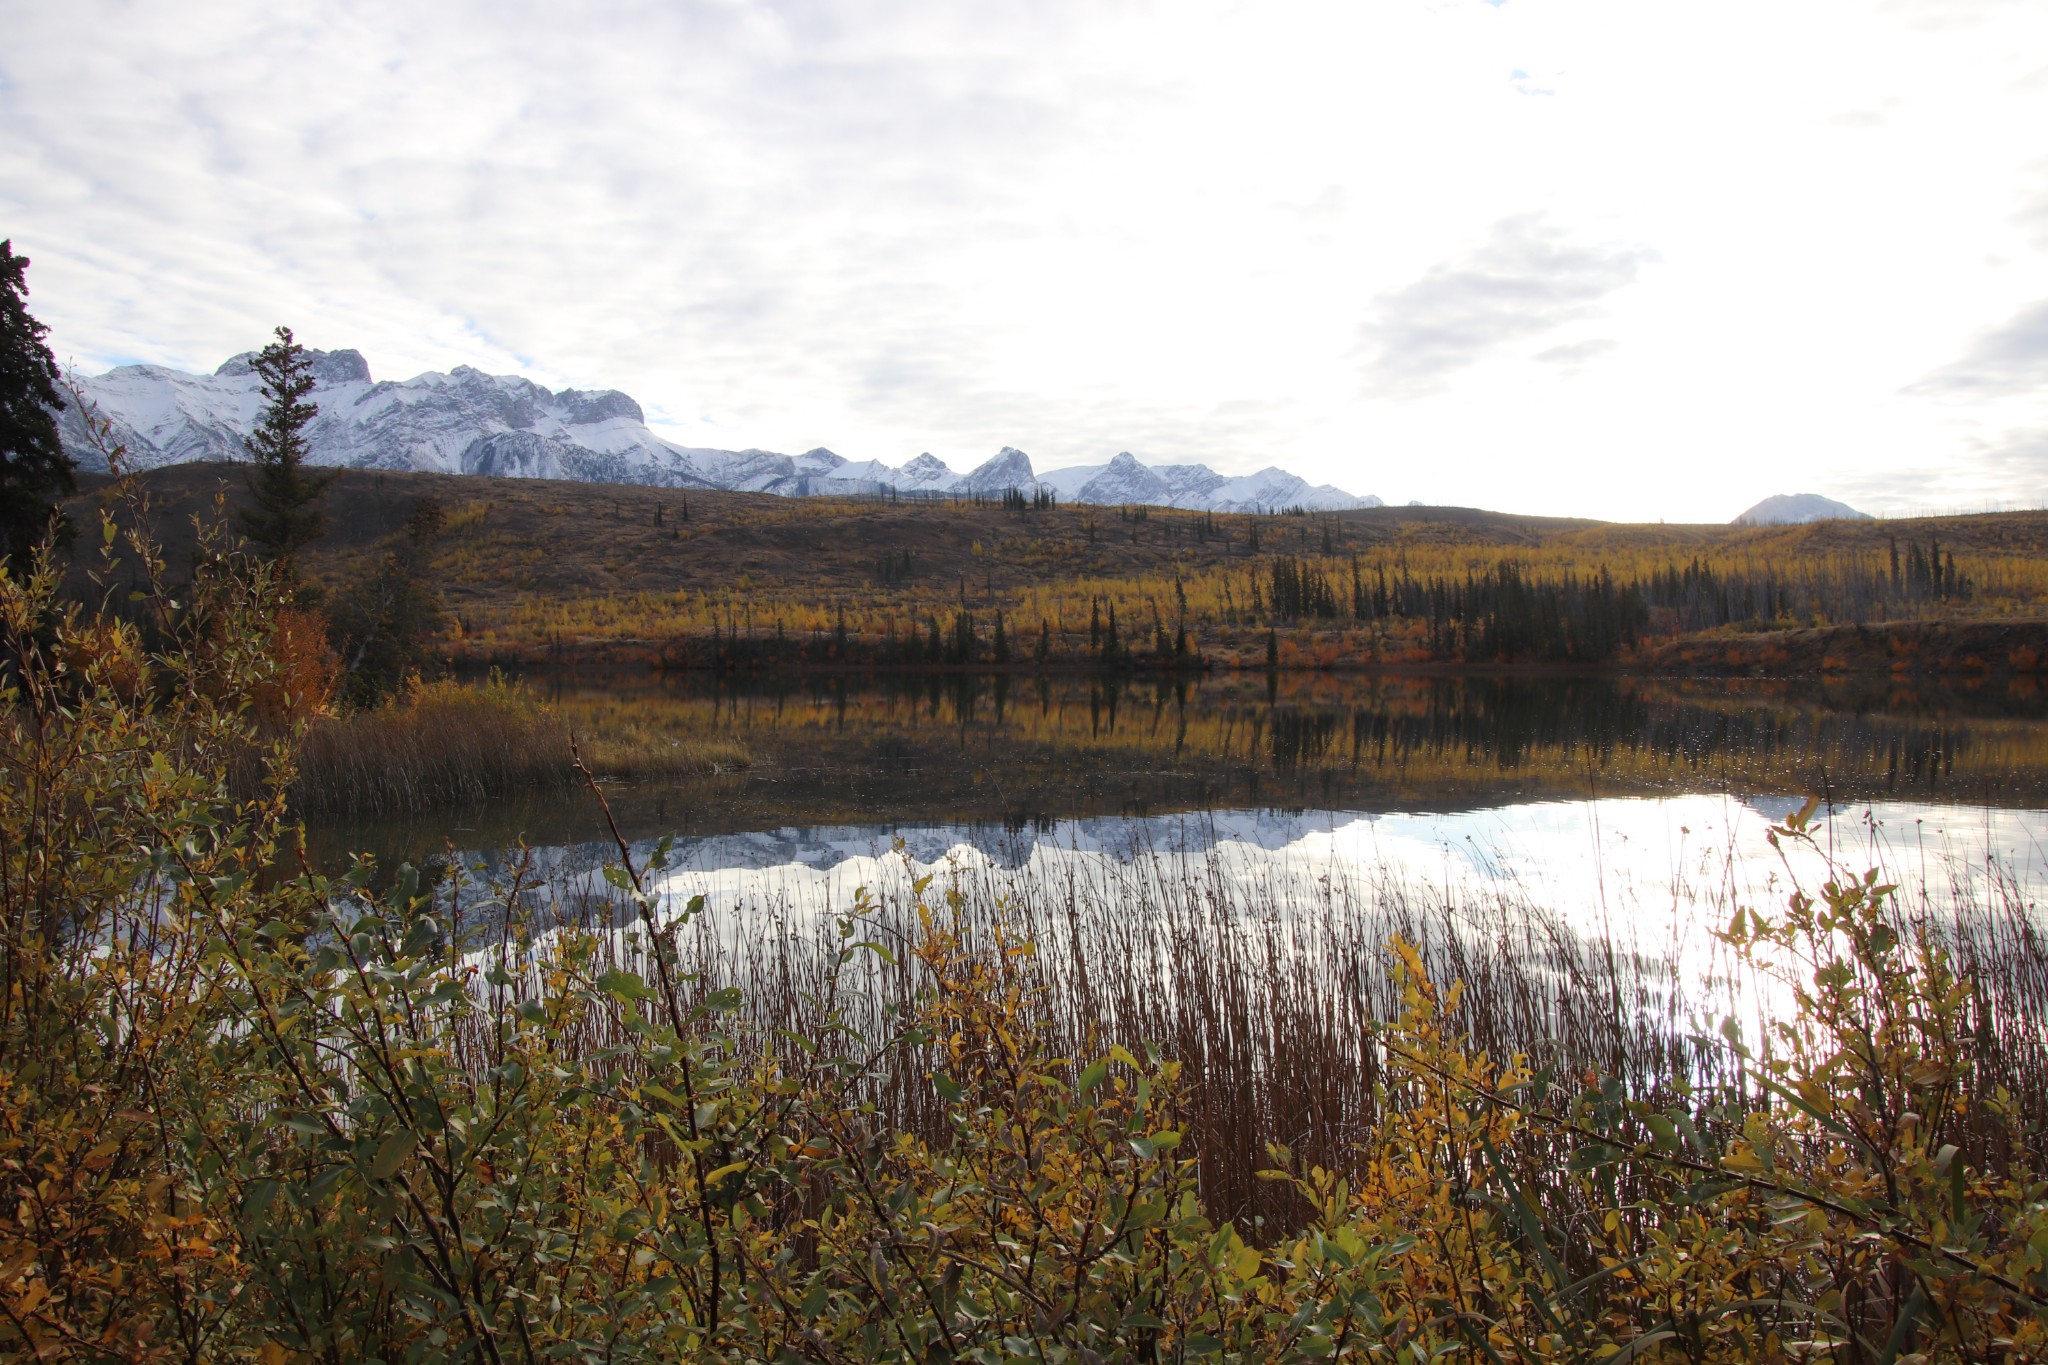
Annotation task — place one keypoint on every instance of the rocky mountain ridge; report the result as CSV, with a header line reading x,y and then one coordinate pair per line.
x,y
469,422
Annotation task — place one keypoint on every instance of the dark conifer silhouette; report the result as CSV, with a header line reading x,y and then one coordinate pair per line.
x,y
34,470
287,493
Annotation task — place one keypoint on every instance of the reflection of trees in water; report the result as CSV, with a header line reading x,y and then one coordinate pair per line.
x,y
1303,737
1590,725
952,748
1421,732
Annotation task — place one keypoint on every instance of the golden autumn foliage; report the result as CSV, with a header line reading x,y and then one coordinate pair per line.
x,y
534,570
439,744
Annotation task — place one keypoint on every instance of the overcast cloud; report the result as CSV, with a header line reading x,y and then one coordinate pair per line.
x,y
1523,284
2007,360
1606,258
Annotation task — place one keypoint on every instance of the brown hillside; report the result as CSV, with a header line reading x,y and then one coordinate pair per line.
x,y
627,573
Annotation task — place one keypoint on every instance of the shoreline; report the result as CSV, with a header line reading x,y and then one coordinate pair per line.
x,y
1951,650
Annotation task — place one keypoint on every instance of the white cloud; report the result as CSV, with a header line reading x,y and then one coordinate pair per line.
x,y
1079,228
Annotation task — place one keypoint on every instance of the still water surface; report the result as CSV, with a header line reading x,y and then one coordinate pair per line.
x,y
1618,806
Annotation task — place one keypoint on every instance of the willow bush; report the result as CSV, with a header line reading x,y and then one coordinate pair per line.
x,y
251,1112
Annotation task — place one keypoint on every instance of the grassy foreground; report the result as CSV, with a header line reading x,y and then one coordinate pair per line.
x,y
251,1113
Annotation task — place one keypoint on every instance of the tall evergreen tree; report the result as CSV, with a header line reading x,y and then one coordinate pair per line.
x,y
34,470
286,517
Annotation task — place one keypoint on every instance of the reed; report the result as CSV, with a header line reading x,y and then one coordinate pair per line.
x,y
1269,989
452,744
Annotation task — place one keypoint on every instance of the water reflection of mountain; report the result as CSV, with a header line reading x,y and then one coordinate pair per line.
x,y
1623,864
1017,754
1006,846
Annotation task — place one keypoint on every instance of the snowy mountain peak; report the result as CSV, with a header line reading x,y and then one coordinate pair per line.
x,y
328,367
926,471
818,460
465,421
1009,468
584,406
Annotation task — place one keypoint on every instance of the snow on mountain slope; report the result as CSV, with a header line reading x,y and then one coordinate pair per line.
x,y
462,422
1126,480
1009,469
926,474
1273,488
165,416
469,422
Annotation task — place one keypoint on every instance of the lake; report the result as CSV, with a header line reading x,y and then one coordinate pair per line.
x,y
1218,864
1591,795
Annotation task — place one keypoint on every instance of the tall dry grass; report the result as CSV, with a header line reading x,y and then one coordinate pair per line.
x,y
1269,989
452,744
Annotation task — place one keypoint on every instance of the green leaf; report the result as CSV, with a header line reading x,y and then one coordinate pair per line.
x,y
391,1154
624,987
879,950
256,1203
1096,1073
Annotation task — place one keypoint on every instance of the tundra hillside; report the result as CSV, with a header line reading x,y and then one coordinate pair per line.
x,y
537,571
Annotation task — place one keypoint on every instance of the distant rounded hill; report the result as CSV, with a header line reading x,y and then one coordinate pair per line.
x,y
1795,509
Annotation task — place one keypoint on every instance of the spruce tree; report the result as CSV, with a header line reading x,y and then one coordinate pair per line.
x,y
34,470
287,493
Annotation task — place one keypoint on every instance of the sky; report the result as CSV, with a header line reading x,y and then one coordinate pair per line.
x,y
1617,258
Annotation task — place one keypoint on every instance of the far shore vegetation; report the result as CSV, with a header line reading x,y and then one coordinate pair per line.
x,y
530,573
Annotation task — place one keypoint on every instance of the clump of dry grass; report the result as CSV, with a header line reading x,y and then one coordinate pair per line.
x,y
455,743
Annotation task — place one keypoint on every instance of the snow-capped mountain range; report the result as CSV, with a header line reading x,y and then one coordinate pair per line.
x,y
469,422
